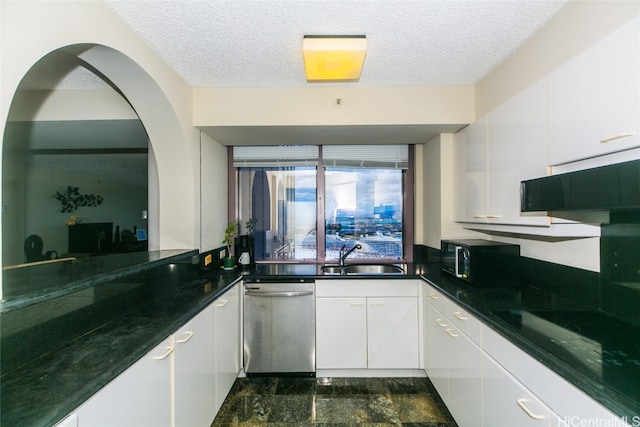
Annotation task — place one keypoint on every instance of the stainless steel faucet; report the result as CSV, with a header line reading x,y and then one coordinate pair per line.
x,y
344,255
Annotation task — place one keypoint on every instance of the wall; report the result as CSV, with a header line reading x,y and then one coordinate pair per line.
x,y
317,106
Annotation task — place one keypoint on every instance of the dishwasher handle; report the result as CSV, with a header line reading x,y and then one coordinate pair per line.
x,y
254,293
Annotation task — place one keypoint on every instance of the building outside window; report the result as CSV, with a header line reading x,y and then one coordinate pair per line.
x,y
361,201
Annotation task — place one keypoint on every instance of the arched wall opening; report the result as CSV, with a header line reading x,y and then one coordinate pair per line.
x,y
172,221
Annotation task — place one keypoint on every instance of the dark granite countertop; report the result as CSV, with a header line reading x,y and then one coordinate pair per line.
x,y
32,284
137,311
593,350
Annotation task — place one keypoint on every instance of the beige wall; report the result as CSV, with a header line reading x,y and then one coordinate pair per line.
x,y
317,106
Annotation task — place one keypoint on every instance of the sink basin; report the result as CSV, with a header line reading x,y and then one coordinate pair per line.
x,y
362,269
372,269
331,269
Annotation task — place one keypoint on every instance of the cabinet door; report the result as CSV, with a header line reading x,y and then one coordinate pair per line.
x,y
139,397
341,333
474,175
227,343
507,402
437,350
194,371
517,151
392,333
594,99
465,379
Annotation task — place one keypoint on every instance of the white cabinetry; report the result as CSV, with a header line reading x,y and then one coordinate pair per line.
x,y
507,402
471,172
227,344
516,152
594,99
341,333
367,324
139,397
392,333
205,354
194,371
495,153
453,361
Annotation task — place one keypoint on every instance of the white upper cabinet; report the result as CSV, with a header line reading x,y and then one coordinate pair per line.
x,y
594,99
471,172
516,152
495,153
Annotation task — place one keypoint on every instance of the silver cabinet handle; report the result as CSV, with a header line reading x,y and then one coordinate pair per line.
x,y
187,337
222,303
168,352
279,294
451,333
433,295
522,404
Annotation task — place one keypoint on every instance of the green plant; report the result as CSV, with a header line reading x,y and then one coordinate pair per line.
x,y
71,199
229,234
251,226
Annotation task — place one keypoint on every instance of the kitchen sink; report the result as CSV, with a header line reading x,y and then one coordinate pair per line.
x,y
331,269
352,269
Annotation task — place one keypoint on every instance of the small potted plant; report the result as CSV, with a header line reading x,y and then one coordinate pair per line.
x,y
230,233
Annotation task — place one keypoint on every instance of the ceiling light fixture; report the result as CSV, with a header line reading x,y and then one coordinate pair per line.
x,y
333,58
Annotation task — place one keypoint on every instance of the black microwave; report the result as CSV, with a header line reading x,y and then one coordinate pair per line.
x,y
481,262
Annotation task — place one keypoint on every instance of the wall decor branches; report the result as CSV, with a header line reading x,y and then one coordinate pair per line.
x,y
71,199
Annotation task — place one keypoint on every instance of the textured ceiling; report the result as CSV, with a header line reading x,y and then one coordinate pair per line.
x,y
257,43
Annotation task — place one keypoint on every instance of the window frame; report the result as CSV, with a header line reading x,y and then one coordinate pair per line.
x,y
408,215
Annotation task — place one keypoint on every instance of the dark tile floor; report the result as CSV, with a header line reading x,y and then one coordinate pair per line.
x,y
326,402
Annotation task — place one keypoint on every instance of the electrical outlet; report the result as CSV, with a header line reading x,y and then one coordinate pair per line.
x,y
223,253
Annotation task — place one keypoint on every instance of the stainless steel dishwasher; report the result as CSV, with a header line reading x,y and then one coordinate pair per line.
x,y
279,327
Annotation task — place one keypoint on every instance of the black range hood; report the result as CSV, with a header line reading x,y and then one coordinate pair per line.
x,y
607,188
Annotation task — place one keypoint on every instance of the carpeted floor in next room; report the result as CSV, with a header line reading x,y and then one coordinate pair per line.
x,y
283,402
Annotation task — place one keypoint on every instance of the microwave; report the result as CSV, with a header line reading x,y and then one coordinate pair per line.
x,y
481,262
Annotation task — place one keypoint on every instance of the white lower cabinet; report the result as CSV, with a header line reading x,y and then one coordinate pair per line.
x,y
341,333
139,397
363,324
507,402
453,364
226,344
392,333
194,371
486,380
205,354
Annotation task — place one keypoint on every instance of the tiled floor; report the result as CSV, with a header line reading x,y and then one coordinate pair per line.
x,y
326,402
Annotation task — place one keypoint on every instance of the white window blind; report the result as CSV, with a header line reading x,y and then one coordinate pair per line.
x,y
275,156
366,156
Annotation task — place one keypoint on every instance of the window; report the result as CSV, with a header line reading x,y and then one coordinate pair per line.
x,y
361,201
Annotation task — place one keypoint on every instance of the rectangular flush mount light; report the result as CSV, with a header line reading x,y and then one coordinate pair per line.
x,y
333,58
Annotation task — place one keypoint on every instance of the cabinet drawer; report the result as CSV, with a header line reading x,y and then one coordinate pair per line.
x,y
465,322
367,288
434,297
561,396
